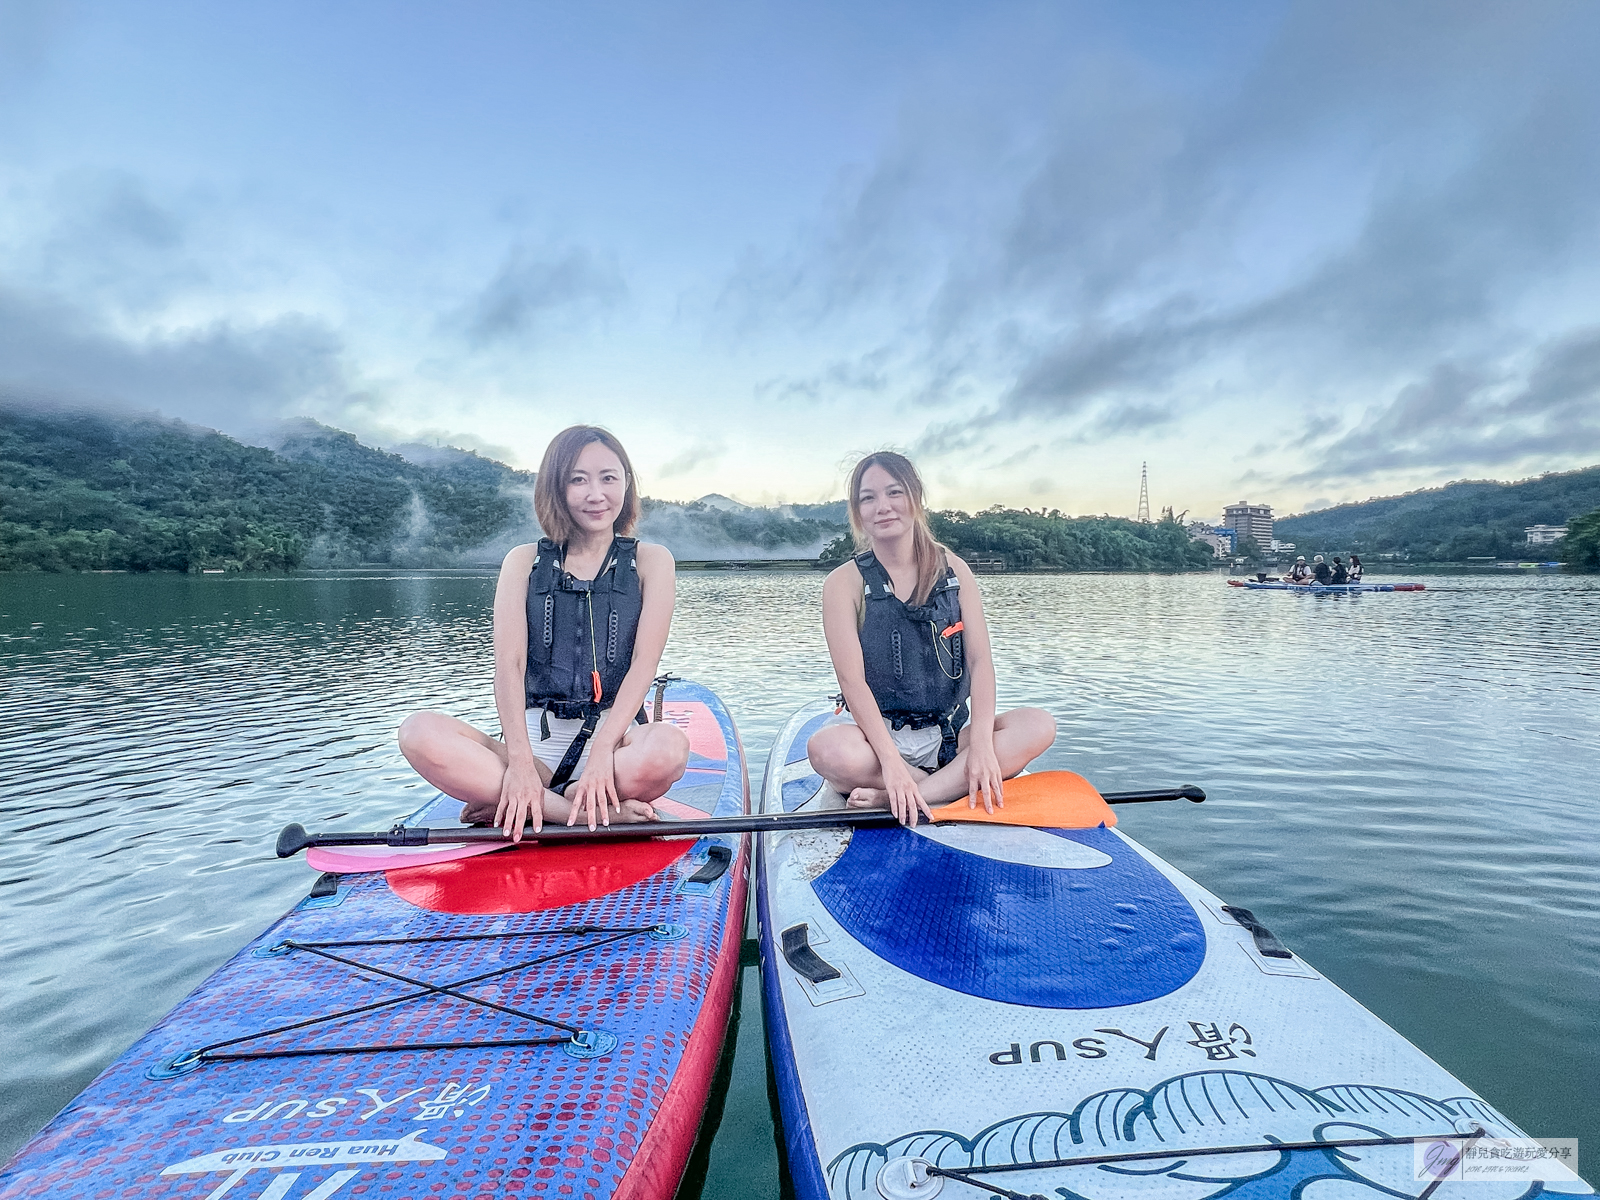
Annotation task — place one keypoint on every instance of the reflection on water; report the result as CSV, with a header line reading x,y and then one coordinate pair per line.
x,y
1402,785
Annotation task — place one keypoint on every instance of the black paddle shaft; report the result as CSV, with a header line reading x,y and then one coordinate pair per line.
x,y
295,838
1187,792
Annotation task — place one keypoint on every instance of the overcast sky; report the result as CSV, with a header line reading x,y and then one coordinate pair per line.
x,y
1295,253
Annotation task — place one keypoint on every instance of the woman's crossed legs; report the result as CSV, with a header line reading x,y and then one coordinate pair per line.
x,y
842,755
463,761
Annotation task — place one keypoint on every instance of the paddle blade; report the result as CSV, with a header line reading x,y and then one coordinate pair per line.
x,y
1048,800
292,840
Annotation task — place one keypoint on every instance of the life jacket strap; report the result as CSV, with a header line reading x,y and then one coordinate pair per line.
x,y
950,724
569,760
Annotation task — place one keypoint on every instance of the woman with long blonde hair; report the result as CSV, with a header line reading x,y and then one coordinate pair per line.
x,y
910,647
580,621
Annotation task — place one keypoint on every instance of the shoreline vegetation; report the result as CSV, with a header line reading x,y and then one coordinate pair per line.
x,y
90,490
1461,522
85,490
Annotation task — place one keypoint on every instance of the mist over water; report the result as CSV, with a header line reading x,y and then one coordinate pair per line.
x,y
1402,785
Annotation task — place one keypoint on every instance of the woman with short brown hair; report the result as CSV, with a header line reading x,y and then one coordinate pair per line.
x,y
580,621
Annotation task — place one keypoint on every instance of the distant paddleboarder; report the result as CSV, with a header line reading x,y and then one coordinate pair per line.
x,y
580,621
910,647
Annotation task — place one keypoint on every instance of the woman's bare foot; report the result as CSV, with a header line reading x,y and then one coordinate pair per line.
x,y
478,814
558,811
867,797
634,811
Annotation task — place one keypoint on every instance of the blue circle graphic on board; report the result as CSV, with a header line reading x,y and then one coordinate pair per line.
x,y
1017,932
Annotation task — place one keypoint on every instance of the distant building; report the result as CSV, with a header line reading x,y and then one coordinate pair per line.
x,y
1253,521
1543,535
1220,538
1278,546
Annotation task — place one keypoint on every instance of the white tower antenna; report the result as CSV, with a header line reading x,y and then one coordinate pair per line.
x,y
1144,495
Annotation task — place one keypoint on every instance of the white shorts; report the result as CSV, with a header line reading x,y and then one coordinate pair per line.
x,y
919,747
551,750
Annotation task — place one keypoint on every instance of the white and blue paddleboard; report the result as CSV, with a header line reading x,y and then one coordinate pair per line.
x,y
1003,1003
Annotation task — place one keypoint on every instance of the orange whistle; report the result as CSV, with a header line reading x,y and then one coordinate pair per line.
x,y
953,630
594,678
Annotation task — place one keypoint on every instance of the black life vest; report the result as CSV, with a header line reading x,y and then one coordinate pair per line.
x,y
579,626
915,662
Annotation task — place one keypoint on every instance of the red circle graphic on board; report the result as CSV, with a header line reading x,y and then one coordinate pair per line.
x,y
532,878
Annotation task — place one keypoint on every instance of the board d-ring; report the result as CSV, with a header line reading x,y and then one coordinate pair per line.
x,y
908,1179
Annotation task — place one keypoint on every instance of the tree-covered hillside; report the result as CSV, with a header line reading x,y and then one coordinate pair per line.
x,y
1051,541
698,531
84,491
91,490
1450,523
1580,549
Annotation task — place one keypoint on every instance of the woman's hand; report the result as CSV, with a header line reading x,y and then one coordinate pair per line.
x,y
521,800
905,798
983,775
596,788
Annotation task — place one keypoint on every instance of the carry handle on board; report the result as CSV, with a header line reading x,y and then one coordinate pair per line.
x,y
1038,814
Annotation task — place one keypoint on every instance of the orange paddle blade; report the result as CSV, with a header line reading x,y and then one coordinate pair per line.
x,y
1048,800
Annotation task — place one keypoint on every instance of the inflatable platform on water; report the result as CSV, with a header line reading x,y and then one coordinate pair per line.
x,y
1348,589
537,1021
987,1011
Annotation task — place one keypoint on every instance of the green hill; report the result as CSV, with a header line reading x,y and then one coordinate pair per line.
x,y
1023,540
1448,524
695,530
92,490
84,490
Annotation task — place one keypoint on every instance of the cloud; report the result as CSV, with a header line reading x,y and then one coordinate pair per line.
x,y
531,290
703,453
868,372
1466,414
1363,196
110,298
114,208
440,446
953,437
225,374
105,239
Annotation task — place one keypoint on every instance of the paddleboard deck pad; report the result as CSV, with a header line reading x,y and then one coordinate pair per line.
x,y
541,1021
1000,1002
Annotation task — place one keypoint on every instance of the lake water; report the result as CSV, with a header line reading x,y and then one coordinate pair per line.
x,y
1403,786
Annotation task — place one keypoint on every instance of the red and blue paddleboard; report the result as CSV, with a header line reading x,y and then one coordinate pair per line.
x,y
539,1021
